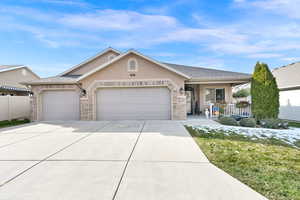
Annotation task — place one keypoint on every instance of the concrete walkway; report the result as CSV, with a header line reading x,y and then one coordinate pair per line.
x,y
124,160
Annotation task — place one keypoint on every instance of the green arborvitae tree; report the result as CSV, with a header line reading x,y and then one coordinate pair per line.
x,y
264,93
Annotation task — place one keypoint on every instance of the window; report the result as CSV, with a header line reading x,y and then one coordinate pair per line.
x,y
220,95
210,94
214,95
132,65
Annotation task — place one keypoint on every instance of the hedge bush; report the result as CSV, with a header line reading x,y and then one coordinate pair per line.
x,y
274,123
228,121
264,93
248,122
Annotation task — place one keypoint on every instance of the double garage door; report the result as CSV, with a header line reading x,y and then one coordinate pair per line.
x,y
111,104
133,103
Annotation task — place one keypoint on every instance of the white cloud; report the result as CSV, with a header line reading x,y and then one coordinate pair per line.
x,y
132,29
239,1
118,20
291,59
64,2
265,55
288,8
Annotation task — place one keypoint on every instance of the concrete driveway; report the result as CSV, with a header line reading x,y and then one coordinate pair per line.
x,y
124,160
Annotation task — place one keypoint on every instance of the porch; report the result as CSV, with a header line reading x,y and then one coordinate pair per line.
x,y
216,98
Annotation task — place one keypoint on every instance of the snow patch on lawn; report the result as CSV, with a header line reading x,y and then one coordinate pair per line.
x,y
290,135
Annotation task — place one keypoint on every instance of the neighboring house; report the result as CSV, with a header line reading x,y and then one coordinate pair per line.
x,y
288,81
10,78
114,86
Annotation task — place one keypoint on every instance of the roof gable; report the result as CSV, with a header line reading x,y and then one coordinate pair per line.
x,y
7,68
90,60
138,54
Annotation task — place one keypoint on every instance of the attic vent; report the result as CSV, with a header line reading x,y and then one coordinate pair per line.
x,y
110,57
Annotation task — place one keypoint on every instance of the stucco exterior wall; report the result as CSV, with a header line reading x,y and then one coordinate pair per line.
x,y
36,99
202,88
178,100
146,70
148,75
116,75
93,64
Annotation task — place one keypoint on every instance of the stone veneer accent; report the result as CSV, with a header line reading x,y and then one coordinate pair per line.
x,y
88,102
36,100
178,101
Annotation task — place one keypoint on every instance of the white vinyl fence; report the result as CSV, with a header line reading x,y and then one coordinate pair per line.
x,y
230,109
14,107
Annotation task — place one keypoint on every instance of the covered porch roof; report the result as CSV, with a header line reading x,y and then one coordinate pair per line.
x,y
201,75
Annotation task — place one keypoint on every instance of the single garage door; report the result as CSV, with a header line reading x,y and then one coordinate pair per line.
x,y
133,103
60,105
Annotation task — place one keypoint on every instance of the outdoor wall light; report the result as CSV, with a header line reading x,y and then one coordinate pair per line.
x,y
181,90
83,92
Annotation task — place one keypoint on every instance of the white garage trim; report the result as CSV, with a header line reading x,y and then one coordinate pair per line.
x,y
133,103
92,90
39,99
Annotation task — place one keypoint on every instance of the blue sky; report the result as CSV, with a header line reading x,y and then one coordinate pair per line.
x,y
51,36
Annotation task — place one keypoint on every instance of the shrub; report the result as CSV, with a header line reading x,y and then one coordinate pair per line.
x,y
273,123
237,117
248,122
228,121
264,93
241,93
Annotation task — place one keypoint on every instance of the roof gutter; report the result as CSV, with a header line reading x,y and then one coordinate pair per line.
x,y
290,88
48,83
215,81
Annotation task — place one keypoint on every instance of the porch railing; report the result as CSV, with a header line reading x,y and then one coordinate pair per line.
x,y
229,109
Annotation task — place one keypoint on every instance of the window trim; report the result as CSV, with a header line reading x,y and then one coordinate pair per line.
x,y
128,65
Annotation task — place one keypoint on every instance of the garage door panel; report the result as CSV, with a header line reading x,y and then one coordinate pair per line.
x,y
60,105
133,103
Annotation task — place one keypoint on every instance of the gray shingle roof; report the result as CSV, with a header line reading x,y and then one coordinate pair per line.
x,y
206,74
196,73
52,80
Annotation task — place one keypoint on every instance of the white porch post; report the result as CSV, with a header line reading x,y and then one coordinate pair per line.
x,y
210,109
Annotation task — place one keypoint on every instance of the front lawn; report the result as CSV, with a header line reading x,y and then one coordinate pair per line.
x,y
268,166
7,123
